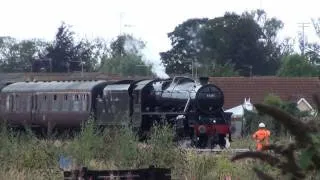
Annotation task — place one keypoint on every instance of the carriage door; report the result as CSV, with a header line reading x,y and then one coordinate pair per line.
x,y
34,107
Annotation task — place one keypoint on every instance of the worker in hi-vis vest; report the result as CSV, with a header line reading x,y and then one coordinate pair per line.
x,y
261,136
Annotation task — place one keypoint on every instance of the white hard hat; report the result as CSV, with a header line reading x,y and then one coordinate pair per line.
x,y
262,125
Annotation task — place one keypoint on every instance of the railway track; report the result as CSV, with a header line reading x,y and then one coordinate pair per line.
x,y
186,145
217,150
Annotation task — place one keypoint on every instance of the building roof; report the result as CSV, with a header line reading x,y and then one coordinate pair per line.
x,y
235,89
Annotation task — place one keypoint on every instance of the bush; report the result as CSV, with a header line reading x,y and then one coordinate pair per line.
x,y
86,145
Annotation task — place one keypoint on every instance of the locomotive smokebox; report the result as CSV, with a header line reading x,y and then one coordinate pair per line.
x,y
203,80
209,98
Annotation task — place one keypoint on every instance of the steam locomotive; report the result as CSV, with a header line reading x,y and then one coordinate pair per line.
x,y
193,108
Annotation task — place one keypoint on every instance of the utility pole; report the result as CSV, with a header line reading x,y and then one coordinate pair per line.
x,y
303,25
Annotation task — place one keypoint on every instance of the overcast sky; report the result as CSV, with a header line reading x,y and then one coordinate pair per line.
x,y
151,20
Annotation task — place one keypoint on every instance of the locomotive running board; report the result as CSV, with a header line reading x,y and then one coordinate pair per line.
x,y
163,113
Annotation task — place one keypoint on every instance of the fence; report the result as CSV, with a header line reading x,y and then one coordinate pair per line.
x,y
150,173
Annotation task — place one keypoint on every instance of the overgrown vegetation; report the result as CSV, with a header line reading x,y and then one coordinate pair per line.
x,y
26,156
23,155
296,160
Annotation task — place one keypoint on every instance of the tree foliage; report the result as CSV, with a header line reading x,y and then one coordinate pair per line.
x,y
230,39
297,65
187,46
126,44
65,54
225,70
128,65
125,57
18,56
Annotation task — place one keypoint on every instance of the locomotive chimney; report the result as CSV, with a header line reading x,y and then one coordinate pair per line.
x,y
203,80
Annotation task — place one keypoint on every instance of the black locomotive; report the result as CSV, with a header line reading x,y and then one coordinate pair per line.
x,y
193,108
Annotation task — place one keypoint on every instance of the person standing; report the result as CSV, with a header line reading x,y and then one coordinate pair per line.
x,y
261,136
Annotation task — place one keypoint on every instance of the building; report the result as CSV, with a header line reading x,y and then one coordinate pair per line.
x,y
293,89
242,92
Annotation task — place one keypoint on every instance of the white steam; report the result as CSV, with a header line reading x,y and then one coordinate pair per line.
x,y
154,59
149,58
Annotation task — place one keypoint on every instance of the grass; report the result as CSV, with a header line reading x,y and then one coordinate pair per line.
x,y
24,156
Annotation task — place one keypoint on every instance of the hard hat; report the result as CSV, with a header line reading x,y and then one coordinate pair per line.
x,y
262,125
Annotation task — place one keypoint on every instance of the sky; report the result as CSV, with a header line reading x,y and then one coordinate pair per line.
x,y
149,20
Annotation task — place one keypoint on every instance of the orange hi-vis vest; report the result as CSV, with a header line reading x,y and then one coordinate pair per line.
x,y
262,138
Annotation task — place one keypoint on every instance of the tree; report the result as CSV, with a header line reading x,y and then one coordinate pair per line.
x,y
230,39
128,65
18,56
126,44
64,54
311,50
270,26
297,65
316,25
235,39
287,46
186,44
226,70
313,53
125,58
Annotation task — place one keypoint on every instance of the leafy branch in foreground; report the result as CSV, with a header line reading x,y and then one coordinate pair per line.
x,y
298,159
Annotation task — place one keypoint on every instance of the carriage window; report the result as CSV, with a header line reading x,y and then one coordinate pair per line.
x,y
44,104
76,103
55,103
8,102
87,101
35,100
16,103
12,102
83,102
77,97
65,104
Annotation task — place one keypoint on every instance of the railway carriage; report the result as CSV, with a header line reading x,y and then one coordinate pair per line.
x,y
61,104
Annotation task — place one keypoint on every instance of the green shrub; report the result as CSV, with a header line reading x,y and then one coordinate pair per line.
x,y
86,145
122,148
